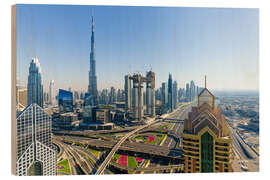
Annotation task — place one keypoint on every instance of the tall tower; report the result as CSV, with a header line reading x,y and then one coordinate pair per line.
x,y
51,92
207,143
34,84
175,95
128,92
150,93
170,89
164,97
92,87
187,93
192,90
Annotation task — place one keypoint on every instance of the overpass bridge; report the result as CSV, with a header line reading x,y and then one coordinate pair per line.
x,y
156,169
148,149
155,150
116,147
173,120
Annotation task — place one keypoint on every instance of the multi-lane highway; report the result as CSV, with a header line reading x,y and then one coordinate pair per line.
x,y
166,150
116,147
180,113
245,158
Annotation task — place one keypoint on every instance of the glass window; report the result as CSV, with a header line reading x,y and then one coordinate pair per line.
x,y
206,152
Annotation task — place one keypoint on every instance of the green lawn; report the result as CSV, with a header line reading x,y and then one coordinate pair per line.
x,y
78,144
165,126
93,151
105,106
132,162
154,141
138,138
116,157
162,137
66,165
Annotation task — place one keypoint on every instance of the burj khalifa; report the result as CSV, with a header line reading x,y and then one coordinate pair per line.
x,y
92,87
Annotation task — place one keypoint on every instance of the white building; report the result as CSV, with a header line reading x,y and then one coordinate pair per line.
x,y
35,153
51,99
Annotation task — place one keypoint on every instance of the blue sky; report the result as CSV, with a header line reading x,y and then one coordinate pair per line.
x,y
221,43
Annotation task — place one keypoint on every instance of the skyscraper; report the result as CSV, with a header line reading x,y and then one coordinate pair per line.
x,y
192,90
170,89
187,93
65,101
128,91
150,94
92,87
164,96
35,154
175,95
112,97
51,98
104,99
207,143
34,84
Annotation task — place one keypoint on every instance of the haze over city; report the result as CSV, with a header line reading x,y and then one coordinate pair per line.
x,y
134,90
187,42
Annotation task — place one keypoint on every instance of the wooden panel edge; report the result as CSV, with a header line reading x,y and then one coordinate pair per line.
x,y
13,90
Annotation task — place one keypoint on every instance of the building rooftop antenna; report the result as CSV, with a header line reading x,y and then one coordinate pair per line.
x,y
205,81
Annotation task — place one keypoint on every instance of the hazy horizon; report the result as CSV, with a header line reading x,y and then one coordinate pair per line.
x,y
190,43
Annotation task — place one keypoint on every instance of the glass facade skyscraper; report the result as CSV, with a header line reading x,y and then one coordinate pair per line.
x,y
34,84
170,89
164,96
65,101
175,95
92,87
35,152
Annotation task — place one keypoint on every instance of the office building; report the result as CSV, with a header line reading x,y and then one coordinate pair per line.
x,y
104,97
192,91
51,96
187,93
65,101
128,92
21,98
150,94
34,84
67,120
207,143
164,96
101,115
137,109
170,89
112,96
140,98
88,100
92,87
35,152
175,95
158,95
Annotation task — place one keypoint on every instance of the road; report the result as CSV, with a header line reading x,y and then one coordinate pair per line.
x,y
122,140
115,148
244,155
177,127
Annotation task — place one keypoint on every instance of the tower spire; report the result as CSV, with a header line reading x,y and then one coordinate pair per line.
x,y
92,87
205,81
93,23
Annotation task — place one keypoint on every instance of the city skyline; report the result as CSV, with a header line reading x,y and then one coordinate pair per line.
x,y
128,90
187,53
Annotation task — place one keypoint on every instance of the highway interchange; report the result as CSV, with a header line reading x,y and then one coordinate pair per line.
x,y
82,161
